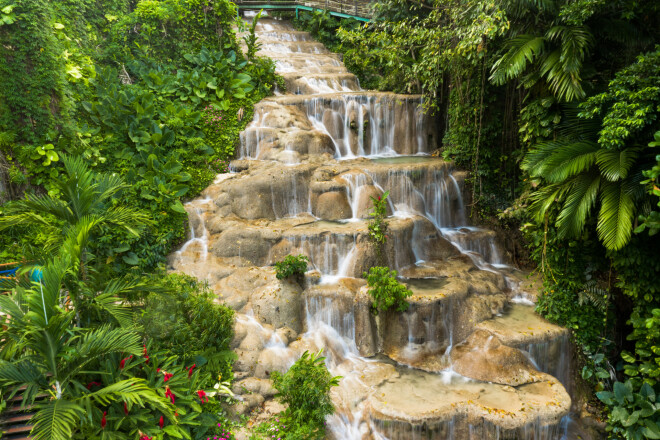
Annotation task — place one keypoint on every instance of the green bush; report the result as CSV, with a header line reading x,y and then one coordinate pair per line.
x,y
645,362
386,292
635,411
196,414
291,266
189,324
305,388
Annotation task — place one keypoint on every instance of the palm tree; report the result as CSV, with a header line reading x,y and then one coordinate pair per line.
x,y
552,52
600,157
578,175
44,353
84,207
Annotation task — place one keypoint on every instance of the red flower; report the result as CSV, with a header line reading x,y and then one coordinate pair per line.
x,y
379,198
167,376
123,362
144,353
145,437
202,396
161,422
103,421
170,394
125,408
93,384
190,370
157,370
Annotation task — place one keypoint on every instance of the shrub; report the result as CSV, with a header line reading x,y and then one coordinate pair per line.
x,y
377,224
386,292
291,266
635,411
197,411
305,388
189,324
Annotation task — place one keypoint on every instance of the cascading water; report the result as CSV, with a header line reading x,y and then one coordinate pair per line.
x,y
311,160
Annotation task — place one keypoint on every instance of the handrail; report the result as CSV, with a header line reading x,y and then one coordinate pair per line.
x,y
356,9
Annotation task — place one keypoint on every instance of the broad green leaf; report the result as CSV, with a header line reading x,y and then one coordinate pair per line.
x,y
178,207
131,259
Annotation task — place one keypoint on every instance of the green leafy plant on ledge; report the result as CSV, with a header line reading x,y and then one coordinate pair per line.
x,y
377,224
386,292
291,266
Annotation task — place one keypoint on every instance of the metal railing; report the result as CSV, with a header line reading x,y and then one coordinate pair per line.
x,y
358,9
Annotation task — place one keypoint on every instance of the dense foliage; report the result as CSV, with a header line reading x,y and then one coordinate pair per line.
x,y
155,92
377,224
112,115
190,325
70,335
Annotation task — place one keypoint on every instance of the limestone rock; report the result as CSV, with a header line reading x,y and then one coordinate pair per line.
x,y
483,357
332,206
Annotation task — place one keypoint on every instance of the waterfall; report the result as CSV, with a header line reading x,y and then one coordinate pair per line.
x,y
311,160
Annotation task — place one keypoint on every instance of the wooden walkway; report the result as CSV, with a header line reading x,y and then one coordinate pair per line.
x,y
356,9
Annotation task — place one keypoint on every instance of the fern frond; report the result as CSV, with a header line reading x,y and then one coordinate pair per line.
x,y
594,295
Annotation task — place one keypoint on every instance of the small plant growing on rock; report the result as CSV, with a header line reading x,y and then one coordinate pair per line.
x,y
386,292
305,388
377,224
291,266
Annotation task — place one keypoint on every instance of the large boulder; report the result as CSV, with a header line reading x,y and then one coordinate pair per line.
x,y
484,358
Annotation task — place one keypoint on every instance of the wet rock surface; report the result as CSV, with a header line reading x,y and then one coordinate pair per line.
x,y
468,359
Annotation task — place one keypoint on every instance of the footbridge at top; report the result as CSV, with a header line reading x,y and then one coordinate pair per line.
x,y
356,9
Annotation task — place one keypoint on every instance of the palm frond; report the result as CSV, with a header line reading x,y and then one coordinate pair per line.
x,y
113,306
543,199
130,285
78,235
134,221
523,49
616,215
564,85
562,67
614,164
568,160
534,161
107,185
97,343
133,391
579,201
56,420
